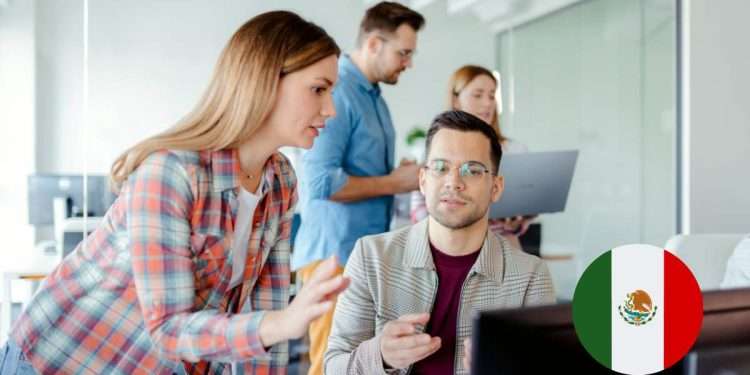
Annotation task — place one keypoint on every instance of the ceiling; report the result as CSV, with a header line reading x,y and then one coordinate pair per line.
x,y
498,15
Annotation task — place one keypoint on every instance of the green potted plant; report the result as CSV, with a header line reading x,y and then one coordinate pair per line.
x,y
415,142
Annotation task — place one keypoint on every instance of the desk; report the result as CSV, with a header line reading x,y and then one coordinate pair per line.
x,y
35,273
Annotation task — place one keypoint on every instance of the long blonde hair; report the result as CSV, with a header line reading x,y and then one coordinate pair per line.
x,y
458,82
242,89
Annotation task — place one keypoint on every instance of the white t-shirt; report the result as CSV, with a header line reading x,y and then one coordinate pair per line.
x,y
243,228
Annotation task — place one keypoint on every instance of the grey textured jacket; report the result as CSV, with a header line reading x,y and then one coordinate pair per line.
x,y
393,274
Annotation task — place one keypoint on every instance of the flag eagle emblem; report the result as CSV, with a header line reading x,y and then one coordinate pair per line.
x,y
638,308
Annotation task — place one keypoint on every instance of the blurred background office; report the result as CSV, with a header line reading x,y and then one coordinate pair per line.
x,y
652,92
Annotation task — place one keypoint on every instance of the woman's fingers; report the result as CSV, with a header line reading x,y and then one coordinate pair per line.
x,y
342,287
326,289
324,271
317,310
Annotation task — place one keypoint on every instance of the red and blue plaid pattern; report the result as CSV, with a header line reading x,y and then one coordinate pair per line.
x,y
149,289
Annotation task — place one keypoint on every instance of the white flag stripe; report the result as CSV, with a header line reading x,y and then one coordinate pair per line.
x,y
637,349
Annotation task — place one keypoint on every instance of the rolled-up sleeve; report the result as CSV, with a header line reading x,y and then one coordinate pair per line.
x,y
159,206
323,164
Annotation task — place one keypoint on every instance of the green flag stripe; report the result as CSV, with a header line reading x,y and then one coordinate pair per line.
x,y
592,309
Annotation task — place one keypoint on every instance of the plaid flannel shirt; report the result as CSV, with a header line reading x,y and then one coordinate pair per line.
x,y
148,291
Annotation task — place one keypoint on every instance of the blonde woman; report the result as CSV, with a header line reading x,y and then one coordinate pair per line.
x,y
472,89
189,273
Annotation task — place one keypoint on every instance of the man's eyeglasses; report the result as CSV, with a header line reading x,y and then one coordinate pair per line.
x,y
468,171
404,54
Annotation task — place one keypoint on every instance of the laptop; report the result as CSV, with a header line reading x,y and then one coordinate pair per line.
x,y
535,183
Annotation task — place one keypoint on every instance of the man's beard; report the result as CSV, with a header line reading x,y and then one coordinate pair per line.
x,y
392,79
389,79
452,222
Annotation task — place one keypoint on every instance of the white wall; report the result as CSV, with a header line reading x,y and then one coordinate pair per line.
x,y
150,61
59,85
16,128
17,118
719,116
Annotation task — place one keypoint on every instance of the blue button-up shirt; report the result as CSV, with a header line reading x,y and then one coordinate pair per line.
x,y
358,141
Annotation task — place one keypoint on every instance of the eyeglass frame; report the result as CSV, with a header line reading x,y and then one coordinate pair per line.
x,y
403,54
464,165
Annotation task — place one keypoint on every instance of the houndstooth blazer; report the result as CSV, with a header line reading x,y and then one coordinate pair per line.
x,y
393,274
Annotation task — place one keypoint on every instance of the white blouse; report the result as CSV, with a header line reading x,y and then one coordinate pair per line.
x,y
248,204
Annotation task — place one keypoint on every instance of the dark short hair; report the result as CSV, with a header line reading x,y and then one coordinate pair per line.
x,y
388,16
466,122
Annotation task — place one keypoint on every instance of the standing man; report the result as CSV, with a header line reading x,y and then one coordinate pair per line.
x,y
349,175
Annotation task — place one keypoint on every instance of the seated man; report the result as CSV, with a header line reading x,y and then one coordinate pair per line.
x,y
738,266
413,290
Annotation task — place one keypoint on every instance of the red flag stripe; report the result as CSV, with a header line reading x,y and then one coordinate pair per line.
x,y
683,309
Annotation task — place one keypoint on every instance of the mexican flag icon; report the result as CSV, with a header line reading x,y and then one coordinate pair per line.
x,y
637,309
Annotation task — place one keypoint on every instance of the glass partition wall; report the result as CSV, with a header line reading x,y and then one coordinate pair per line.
x,y
599,77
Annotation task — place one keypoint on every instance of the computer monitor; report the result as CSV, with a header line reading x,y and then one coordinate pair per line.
x,y
534,340
542,339
44,188
723,346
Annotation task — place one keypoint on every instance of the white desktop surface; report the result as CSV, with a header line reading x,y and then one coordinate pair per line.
x,y
25,267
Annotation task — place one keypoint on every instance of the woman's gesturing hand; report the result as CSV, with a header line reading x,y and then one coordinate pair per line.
x,y
314,299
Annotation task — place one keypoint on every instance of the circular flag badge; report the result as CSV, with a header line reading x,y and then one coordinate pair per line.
x,y
637,309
